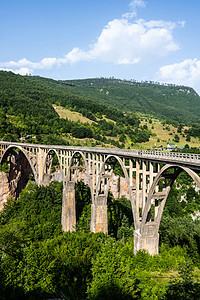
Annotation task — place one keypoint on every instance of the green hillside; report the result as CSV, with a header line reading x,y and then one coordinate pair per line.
x,y
90,112
26,109
177,103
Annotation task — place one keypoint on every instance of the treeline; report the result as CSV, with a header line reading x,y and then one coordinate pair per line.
x,y
194,130
20,95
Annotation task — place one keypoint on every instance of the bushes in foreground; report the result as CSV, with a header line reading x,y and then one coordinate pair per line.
x,y
38,261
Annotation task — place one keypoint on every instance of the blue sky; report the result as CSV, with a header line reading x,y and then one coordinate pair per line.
x,y
140,39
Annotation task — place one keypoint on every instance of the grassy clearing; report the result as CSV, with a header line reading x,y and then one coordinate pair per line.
x,y
164,136
75,116
165,277
71,115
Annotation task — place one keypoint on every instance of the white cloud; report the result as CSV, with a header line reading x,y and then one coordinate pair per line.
x,y
120,42
24,71
21,71
45,63
186,72
133,8
76,55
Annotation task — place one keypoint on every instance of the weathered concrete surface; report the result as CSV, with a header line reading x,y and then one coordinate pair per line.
x,y
56,176
148,240
118,185
99,221
69,208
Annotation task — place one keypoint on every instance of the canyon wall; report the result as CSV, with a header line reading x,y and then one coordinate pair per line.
x,y
5,192
12,182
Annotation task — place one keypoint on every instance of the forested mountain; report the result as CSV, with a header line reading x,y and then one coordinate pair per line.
x,y
26,108
178,103
111,105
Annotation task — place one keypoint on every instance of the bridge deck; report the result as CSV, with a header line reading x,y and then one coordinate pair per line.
x,y
184,159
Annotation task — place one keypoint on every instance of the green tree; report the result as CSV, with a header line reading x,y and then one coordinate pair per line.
x,y
176,138
184,286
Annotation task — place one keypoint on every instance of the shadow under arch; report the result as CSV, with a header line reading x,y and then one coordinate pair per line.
x,y
9,150
103,189
46,170
21,166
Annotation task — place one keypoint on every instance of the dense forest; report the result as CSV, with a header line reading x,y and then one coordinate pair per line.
x,y
38,260
177,103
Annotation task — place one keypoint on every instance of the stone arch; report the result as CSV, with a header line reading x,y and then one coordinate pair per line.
x,y
79,155
47,165
148,237
105,195
178,169
6,153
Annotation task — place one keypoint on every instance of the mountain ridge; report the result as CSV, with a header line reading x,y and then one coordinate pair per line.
x,y
177,103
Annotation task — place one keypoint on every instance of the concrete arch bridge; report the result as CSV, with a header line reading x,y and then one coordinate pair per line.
x,y
149,176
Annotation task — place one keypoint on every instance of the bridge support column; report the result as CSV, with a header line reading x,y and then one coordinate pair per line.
x,y
46,180
41,159
99,221
147,240
69,207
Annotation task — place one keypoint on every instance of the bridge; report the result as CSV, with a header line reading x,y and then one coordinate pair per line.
x,y
149,176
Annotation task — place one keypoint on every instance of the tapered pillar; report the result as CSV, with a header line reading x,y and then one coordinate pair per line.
x,y
148,239
69,207
99,221
41,160
137,187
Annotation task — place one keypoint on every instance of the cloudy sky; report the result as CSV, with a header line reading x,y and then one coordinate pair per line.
x,y
140,39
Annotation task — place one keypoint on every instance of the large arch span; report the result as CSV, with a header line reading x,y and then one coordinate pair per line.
x,y
18,169
149,176
147,237
8,151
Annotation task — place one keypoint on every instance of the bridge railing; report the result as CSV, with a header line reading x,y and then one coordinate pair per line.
x,y
177,156
169,154
151,154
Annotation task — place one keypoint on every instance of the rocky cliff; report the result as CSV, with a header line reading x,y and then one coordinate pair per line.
x,y
5,192
15,180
